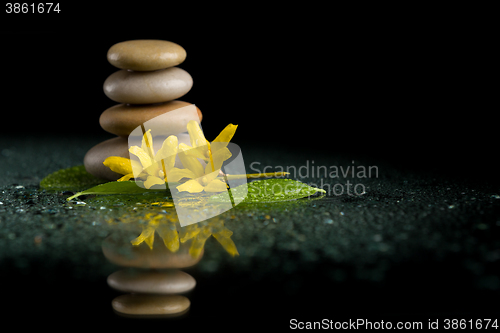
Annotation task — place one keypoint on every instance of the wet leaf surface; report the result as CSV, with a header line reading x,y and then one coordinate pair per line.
x,y
74,178
268,191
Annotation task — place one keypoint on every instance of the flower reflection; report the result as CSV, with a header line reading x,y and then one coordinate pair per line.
x,y
172,234
213,227
164,227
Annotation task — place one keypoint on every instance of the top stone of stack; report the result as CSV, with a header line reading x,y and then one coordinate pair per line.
x,y
146,55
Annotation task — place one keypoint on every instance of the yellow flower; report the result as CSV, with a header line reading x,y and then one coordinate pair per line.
x,y
152,167
201,148
204,178
202,182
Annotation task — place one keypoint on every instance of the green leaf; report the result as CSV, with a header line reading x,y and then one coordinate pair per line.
x,y
268,190
126,187
74,178
146,200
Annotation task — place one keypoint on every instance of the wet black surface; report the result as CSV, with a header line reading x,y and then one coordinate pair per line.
x,y
413,244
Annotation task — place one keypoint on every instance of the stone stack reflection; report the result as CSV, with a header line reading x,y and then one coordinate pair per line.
x,y
151,278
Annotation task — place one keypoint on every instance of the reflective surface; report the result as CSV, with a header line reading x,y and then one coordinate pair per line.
x,y
156,277
410,240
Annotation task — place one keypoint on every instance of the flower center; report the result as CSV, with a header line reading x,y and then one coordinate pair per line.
x,y
204,181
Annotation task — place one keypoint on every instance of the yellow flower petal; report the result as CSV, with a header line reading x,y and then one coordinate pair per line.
x,y
121,165
147,234
188,232
147,143
152,180
198,152
218,158
192,164
224,232
216,186
176,174
195,134
150,240
227,243
224,137
153,169
209,176
142,155
208,168
126,177
191,186
167,152
199,242
170,236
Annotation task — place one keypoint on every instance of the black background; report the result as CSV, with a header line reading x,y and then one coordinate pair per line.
x,y
414,89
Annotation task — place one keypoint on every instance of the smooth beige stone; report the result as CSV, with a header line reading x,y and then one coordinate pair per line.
x,y
122,119
122,253
146,54
93,160
148,87
137,304
151,282
97,154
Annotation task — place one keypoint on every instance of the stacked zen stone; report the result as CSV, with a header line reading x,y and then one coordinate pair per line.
x,y
147,86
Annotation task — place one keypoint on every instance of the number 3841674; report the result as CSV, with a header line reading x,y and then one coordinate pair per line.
x,y
34,8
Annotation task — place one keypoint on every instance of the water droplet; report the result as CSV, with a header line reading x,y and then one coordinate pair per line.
x,y
451,206
342,213
328,221
495,196
37,239
102,207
